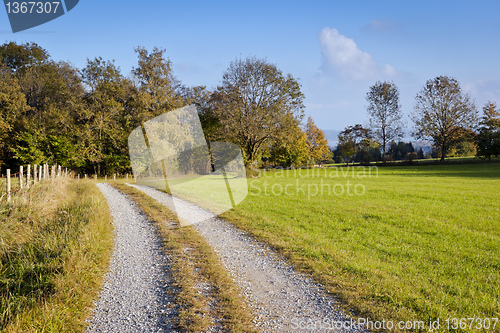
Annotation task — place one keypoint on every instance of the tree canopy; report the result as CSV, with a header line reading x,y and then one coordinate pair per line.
x,y
356,140
52,112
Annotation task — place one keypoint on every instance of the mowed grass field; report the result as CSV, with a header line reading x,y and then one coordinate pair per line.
x,y
399,243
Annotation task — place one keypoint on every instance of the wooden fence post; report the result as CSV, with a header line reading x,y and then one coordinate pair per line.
x,y
28,176
95,177
21,177
114,177
8,185
106,178
126,177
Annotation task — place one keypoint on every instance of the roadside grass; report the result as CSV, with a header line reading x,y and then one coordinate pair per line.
x,y
14,185
193,263
55,243
414,243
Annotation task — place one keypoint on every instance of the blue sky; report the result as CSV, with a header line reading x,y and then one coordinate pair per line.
x,y
337,49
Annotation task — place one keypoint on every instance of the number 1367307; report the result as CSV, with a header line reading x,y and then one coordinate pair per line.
x,y
32,7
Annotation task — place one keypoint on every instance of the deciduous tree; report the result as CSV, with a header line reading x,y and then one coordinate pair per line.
x,y
352,140
442,112
385,113
254,103
488,139
103,134
53,91
156,84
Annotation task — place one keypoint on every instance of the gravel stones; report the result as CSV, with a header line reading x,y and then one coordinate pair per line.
x,y
136,296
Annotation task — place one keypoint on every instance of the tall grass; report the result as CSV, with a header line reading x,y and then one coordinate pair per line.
x,y
55,242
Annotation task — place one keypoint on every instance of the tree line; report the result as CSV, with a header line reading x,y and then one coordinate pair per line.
x,y
52,112
443,114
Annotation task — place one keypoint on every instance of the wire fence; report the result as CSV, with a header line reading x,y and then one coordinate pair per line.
x,y
12,184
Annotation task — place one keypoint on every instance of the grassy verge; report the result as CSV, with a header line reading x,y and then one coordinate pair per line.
x,y
193,263
55,243
415,243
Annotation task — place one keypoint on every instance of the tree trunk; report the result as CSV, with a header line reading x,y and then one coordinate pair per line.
x,y
383,150
443,151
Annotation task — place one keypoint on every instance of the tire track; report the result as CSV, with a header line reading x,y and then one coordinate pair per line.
x,y
136,296
282,299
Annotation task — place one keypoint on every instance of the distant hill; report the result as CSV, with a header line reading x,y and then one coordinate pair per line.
x,y
426,145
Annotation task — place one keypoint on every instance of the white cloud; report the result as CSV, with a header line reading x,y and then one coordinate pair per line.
x,y
389,70
342,55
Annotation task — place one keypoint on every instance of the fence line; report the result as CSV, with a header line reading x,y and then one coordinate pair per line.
x,y
26,179
30,175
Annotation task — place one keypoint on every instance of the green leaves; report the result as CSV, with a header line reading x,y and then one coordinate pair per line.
x,y
355,140
156,84
12,106
317,145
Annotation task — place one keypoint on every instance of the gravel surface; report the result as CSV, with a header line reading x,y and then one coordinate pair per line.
x,y
282,299
136,296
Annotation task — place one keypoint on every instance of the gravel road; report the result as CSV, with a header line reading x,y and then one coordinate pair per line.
x,y
282,299
135,297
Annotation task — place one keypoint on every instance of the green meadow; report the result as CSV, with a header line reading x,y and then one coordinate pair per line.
x,y
394,243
